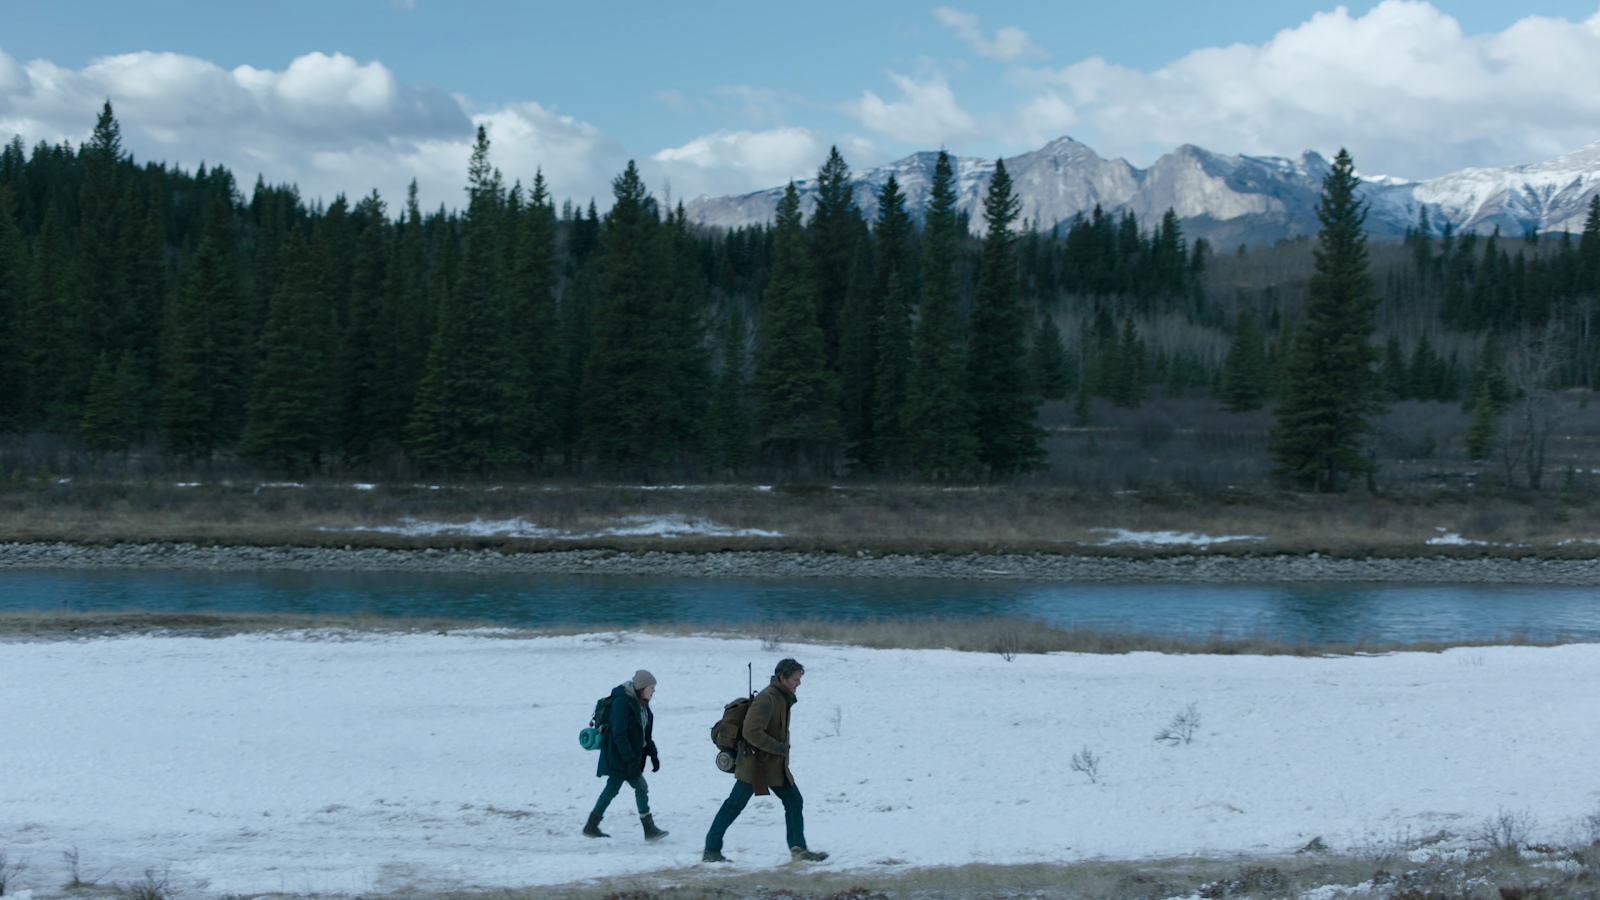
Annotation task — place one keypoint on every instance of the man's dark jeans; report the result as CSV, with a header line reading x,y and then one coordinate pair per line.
x,y
793,818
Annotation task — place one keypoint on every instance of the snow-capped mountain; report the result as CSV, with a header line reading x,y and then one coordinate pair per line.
x,y
1226,199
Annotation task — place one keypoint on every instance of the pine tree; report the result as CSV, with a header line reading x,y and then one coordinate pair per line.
x,y
1108,372
1422,246
577,336
368,326
293,403
459,422
103,239
271,213
1392,371
534,326
59,342
892,378
629,399
795,397
647,378
1488,382
1246,375
145,288
728,432
1169,256
1331,389
1423,372
835,230
860,321
1485,424
685,315
1589,250
403,355
938,414
997,372
1052,368
891,357
14,371
1128,390
110,412
204,391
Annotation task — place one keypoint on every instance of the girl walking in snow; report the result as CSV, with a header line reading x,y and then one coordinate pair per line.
x,y
625,745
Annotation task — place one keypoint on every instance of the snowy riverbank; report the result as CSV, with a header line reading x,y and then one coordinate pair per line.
x,y
321,762
1203,567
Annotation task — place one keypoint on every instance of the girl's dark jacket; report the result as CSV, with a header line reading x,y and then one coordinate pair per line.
x,y
627,739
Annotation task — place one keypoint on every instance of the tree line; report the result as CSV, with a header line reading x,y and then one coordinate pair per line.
x,y
144,308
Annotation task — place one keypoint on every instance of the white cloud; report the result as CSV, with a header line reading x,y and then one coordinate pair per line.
x,y
1009,42
926,115
761,106
327,123
672,99
1402,87
731,162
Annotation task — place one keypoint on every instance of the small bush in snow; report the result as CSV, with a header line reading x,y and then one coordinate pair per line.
x,y
70,857
9,870
1008,643
1086,762
152,887
1505,831
1182,727
771,635
1251,880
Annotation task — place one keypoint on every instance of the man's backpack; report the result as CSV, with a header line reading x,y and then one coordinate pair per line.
x,y
728,733
589,738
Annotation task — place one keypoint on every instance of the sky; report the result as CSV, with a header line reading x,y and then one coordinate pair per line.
x,y
350,96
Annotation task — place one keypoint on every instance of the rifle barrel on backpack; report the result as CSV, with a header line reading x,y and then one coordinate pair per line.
x,y
728,733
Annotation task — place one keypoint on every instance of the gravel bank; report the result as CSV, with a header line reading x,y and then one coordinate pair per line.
x,y
771,564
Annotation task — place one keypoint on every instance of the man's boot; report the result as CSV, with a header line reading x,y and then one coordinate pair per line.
x,y
713,856
801,854
593,828
651,832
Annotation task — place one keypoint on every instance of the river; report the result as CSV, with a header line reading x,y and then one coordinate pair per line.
x,y
1318,614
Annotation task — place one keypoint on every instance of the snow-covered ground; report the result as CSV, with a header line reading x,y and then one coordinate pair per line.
x,y
325,762
1116,536
676,525
670,525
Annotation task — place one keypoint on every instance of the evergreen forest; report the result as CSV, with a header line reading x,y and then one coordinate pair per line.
x,y
155,316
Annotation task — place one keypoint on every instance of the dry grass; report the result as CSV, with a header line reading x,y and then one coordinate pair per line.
x,y
1383,870
1386,873
848,518
1003,636
1173,464
1014,636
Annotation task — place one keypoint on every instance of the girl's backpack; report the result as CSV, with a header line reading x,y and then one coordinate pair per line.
x,y
590,738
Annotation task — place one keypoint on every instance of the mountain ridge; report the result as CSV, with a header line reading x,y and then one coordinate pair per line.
x,y
1226,199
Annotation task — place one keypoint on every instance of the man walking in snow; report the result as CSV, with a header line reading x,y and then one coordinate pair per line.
x,y
764,764
623,749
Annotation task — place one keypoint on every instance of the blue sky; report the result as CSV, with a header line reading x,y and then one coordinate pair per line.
x,y
729,97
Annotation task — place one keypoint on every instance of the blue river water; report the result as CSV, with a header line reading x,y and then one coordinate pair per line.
x,y
1317,614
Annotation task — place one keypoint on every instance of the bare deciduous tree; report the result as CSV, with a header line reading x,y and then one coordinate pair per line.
x,y
1525,431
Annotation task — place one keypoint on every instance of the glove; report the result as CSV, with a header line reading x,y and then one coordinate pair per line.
x,y
655,763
